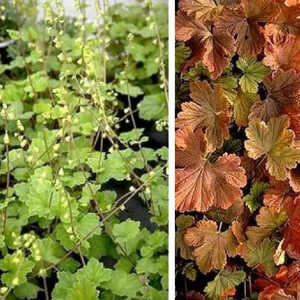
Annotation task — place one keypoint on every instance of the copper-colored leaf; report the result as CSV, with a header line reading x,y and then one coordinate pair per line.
x,y
275,293
293,111
193,295
283,88
267,220
278,196
214,47
293,274
242,22
190,146
235,211
204,10
209,110
275,143
211,246
238,231
201,184
282,49
187,28
255,169
283,285
294,179
288,16
291,242
183,222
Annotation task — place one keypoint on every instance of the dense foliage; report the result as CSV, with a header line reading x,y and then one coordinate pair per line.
x,y
81,102
238,149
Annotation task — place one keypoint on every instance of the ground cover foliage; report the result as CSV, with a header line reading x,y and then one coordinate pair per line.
x,y
237,149
83,108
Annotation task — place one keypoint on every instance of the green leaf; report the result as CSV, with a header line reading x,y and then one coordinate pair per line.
x,y
124,264
195,72
42,106
39,81
254,73
156,242
128,235
95,161
163,153
153,107
63,286
88,223
81,285
129,89
182,52
50,250
126,231
94,272
223,282
229,85
77,178
127,284
262,255
115,166
253,200
12,91
132,135
16,267
101,245
106,199
138,51
27,291
83,290
147,265
190,272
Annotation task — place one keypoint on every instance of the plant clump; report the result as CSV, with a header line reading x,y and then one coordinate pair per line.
x,y
237,177
83,167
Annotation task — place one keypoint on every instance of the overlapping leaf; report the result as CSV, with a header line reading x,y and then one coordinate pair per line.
x,y
212,45
211,246
183,222
204,10
283,88
209,110
279,195
291,242
242,106
253,200
253,73
282,49
274,143
283,285
262,256
201,184
224,284
242,22
267,220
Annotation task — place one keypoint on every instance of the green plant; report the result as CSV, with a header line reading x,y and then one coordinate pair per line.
x,y
76,99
